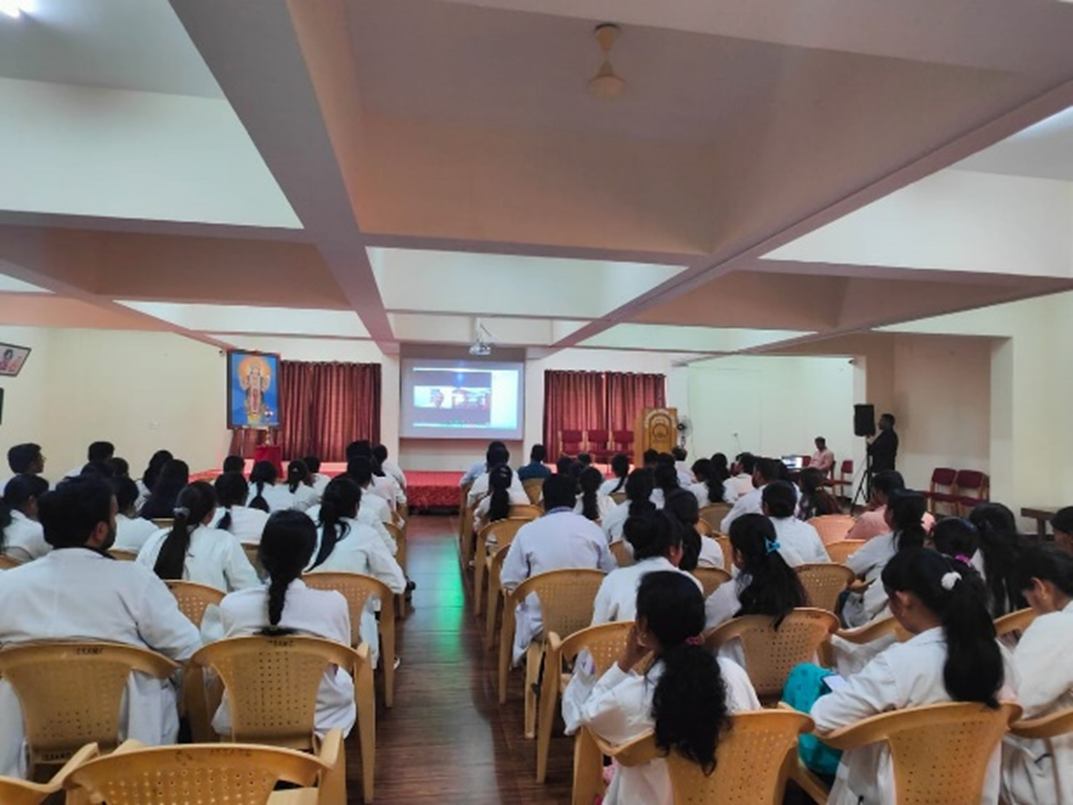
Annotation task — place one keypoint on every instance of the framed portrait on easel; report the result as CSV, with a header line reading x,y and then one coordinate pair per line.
x,y
252,390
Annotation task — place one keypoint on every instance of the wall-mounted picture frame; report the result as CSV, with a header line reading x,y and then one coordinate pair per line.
x,y
12,359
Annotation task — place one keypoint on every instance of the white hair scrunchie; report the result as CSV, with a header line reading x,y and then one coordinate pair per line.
x,y
950,580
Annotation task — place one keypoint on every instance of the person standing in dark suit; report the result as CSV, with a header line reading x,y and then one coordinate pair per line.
x,y
883,449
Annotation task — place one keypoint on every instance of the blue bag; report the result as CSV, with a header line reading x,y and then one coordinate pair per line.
x,y
803,687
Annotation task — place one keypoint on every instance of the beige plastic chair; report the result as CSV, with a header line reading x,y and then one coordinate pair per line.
x,y
832,527
862,635
466,539
526,511
622,554
771,653
940,752
495,598
844,549
8,562
1049,726
504,532
714,513
357,589
1014,623
164,522
236,774
710,578
703,528
823,583
122,555
603,643
271,685
194,598
566,603
726,547
71,692
618,497
252,550
751,765
398,533
463,495
14,791
534,488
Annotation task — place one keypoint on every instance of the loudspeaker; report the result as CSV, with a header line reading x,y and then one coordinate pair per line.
x,y
864,420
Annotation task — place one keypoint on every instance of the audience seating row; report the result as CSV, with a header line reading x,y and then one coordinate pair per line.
x,y
600,444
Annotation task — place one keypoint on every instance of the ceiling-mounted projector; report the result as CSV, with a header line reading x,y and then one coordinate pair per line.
x,y
480,348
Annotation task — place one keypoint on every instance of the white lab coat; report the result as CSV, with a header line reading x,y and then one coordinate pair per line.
x,y
685,474
614,520
558,540
320,483
362,551
711,554
801,537
395,471
473,473
700,492
279,497
24,539
868,561
1041,771
620,709
604,505
132,532
317,613
906,675
376,505
611,485
736,486
480,487
214,557
480,515
369,514
80,594
246,524
749,503
389,489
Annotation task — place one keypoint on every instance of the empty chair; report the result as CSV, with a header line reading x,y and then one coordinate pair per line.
x,y
973,488
534,488
714,513
832,527
941,489
597,442
823,583
710,578
194,598
15,791
492,537
843,484
622,441
570,442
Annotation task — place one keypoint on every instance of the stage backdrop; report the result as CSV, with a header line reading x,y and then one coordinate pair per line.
x,y
323,407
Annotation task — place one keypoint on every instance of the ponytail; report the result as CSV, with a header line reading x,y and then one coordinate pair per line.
x,y
341,500
263,472
639,488
705,473
231,490
1001,547
193,505
590,481
906,510
297,474
285,549
773,586
620,465
499,481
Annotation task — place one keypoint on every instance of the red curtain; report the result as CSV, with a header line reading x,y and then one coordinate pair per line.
x,y
324,407
602,400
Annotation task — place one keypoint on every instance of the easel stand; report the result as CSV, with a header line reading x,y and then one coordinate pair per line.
x,y
864,486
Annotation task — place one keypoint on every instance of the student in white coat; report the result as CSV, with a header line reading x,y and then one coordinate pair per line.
x,y
665,478
132,531
265,494
952,656
152,474
287,606
638,501
347,545
590,503
77,592
393,470
779,502
23,536
360,470
194,551
620,470
497,505
1000,543
741,482
317,479
245,522
700,551
685,698
497,454
767,470
558,540
1037,771
707,488
300,484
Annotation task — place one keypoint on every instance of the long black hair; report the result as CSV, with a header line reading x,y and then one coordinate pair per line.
x,y
651,534
639,488
973,671
173,478
666,477
156,464
689,702
342,497
620,466
1046,563
956,537
720,467
263,473
297,474
816,500
193,505
286,547
499,480
906,509
19,492
773,588
703,472
1001,545
590,481
231,490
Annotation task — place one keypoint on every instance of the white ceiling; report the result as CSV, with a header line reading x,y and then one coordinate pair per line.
x,y
1044,150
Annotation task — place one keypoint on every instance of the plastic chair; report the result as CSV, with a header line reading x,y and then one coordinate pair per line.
x,y
823,583
843,550
703,528
194,598
728,549
122,555
358,589
566,601
463,496
1053,725
621,551
272,683
523,511
8,562
771,653
15,791
941,488
622,441
751,760
618,497
1013,623
975,482
164,522
398,533
71,692
875,630
467,541
504,532
242,774
570,442
534,488
714,513
710,578
495,598
832,527
603,643
252,551
597,442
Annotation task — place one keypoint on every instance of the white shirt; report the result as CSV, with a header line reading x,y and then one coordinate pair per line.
x,y
395,471
320,483
738,485
616,599
907,674
246,524
24,539
750,502
470,475
389,489
214,557
801,537
822,460
80,594
369,514
711,554
280,498
611,485
604,505
132,532
480,487
375,505
868,562
700,492
614,520
480,515
685,474
620,709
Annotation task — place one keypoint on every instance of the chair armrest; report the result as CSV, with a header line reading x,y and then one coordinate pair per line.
x,y
1048,726
331,748
640,750
87,752
807,781
129,745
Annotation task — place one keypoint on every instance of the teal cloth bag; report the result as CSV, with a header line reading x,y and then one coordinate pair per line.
x,y
803,687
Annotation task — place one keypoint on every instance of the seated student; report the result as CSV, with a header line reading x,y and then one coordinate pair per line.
x,y
682,506
1000,545
765,583
173,478
26,459
958,538
720,468
873,523
685,474
535,469
96,452
120,467
778,504
235,463
767,471
497,454
393,470
565,466
952,656
77,592
285,607
23,536
244,522
584,459
317,479
361,472
741,482
685,697
151,474
815,500
476,470
707,489
620,469
560,539
497,505
1036,770
347,545
131,531
265,494
300,484
650,458
638,501
1062,523
665,480
590,503
904,512
194,551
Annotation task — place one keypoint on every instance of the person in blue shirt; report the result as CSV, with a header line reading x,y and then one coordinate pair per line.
x,y
536,467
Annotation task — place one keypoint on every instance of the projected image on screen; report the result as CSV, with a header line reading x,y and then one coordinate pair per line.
x,y
461,399
453,399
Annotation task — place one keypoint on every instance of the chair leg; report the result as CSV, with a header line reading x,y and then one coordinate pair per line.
x,y
387,653
366,700
332,788
490,615
506,646
549,697
588,770
479,567
533,655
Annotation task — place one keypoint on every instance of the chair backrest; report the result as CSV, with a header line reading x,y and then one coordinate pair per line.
x,y
844,549
238,774
534,488
8,562
525,512
16,791
122,555
832,527
357,589
603,642
71,692
1014,622
875,630
272,683
621,552
847,467
771,653
823,583
504,531
703,528
164,522
710,578
570,441
619,497
972,480
566,597
714,513
194,598
943,476
623,440
597,438
252,551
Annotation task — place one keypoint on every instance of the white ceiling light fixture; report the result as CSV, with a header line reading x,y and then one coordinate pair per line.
x,y
606,83
481,348
14,8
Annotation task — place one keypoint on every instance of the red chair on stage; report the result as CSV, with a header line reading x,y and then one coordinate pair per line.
x,y
596,441
570,442
977,484
622,441
843,485
941,489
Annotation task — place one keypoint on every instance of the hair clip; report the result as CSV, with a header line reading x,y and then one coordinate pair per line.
x,y
695,640
181,511
950,580
772,545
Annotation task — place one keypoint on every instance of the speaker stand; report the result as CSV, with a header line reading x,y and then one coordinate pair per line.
x,y
864,487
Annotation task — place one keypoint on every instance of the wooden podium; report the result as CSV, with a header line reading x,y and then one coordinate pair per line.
x,y
657,429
